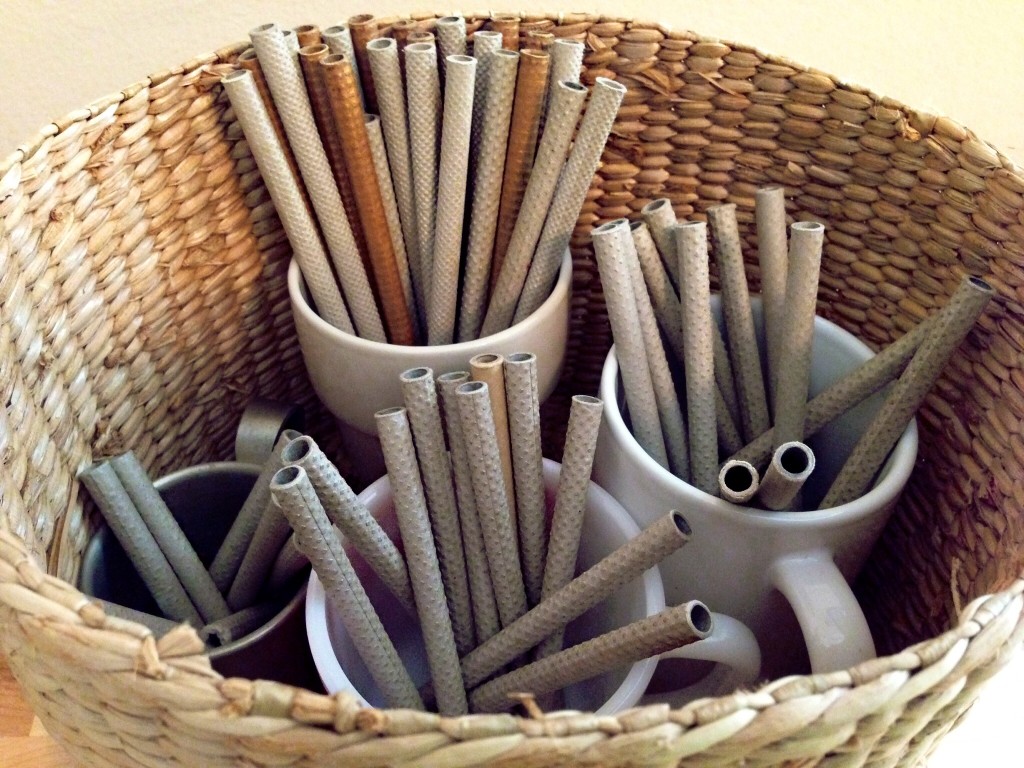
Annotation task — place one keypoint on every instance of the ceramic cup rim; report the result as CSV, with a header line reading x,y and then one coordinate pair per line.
x,y
298,295
894,474
626,694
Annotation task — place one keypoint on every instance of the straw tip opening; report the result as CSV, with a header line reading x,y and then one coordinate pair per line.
x,y
980,284
737,476
700,617
471,387
416,374
287,476
795,459
486,358
680,522
297,449
612,85
384,413
521,357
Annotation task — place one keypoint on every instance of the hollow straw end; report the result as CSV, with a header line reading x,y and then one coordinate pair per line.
x,y
683,527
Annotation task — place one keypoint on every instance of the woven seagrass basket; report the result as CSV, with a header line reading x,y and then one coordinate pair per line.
x,y
143,303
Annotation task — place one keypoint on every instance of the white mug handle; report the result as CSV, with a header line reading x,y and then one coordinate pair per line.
x,y
835,631
732,645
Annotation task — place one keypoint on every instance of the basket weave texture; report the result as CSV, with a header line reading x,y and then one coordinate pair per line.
x,y
143,303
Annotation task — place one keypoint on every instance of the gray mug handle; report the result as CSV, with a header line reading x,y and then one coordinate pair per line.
x,y
835,631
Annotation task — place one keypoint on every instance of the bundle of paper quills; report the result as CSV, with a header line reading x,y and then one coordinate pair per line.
x,y
491,582
446,217
724,420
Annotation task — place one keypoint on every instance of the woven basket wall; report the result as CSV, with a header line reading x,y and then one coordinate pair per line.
x,y
143,302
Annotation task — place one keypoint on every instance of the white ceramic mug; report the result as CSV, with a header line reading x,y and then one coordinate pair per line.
x,y
607,526
784,574
356,377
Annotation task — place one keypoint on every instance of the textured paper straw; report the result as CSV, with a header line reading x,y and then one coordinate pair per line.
x,y
668,312
673,426
239,624
485,43
729,437
355,143
319,100
507,25
490,166
692,247
420,396
570,193
490,369
400,31
138,542
451,199
293,494
522,398
908,392
285,81
738,481
485,610
423,92
789,469
248,61
307,34
288,199
531,91
158,625
352,518
852,389
566,60
432,608
232,550
291,40
362,29
570,502
170,538
289,563
537,200
339,40
492,505
612,242
451,41
267,542
650,547
387,76
378,151
770,216
739,320
422,36
672,628
796,341
660,219
539,39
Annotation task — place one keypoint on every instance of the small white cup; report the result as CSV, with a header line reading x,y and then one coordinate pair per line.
x,y
356,377
785,574
606,527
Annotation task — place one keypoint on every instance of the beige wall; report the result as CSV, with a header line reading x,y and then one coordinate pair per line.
x,y
963,59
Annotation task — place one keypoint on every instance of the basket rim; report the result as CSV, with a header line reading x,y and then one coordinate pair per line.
x,y
227,53
44,599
